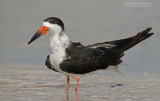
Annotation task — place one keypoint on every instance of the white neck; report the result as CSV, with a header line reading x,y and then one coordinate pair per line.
x,y
58,44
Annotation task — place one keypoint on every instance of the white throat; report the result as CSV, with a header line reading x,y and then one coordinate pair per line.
x,y
58,44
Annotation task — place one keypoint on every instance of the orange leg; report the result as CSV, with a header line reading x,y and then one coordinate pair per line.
x,y
77,84
77,98
67,84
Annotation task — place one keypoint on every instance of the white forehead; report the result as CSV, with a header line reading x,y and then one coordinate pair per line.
x,y
53,28
47,24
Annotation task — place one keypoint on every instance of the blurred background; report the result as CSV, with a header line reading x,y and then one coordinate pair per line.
x,y
86,21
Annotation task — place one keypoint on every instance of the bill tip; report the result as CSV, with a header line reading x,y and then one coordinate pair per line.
x,y
29,42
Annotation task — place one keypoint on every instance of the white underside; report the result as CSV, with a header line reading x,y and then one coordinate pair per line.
x,y
59,41
58,45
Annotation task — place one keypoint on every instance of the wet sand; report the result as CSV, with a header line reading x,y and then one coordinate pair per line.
x,y
37,83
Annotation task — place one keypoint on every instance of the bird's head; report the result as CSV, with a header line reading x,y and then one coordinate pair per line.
x,y
52,25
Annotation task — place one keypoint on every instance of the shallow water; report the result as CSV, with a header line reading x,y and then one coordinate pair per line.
x,y
23,75
30,83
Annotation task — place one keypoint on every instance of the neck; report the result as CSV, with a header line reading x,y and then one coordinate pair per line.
x,y
58,44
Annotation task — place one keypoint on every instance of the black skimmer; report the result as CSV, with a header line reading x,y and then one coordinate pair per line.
x,y
73,58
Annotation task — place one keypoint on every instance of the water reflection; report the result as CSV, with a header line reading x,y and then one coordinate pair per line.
x,y
77,97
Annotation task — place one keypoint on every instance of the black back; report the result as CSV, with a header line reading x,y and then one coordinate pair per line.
x,y
81,60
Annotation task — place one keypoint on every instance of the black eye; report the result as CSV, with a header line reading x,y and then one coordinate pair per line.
x,y
52,22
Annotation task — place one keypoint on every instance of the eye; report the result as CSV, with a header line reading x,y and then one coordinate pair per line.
x,y
52,22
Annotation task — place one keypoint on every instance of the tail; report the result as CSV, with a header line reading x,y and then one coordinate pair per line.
x,y
125,44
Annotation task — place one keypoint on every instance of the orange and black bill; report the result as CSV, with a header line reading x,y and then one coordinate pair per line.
x,y
39,33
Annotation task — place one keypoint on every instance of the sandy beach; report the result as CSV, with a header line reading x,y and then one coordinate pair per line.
x,y
30,83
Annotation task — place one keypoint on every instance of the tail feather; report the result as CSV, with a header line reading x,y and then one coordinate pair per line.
x,y
125,44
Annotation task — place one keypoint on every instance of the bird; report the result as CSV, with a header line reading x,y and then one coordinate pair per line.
x,y
74,59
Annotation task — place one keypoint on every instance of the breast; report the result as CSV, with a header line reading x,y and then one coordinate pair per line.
x,y
55,60
49,65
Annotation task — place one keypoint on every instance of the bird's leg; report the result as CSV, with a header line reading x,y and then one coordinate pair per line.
x,y
77,83
67,83
77,98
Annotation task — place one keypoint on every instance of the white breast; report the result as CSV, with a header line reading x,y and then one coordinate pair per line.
x,y
58,45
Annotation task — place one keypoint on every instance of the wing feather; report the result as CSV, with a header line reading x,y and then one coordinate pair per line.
x,y
83,60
